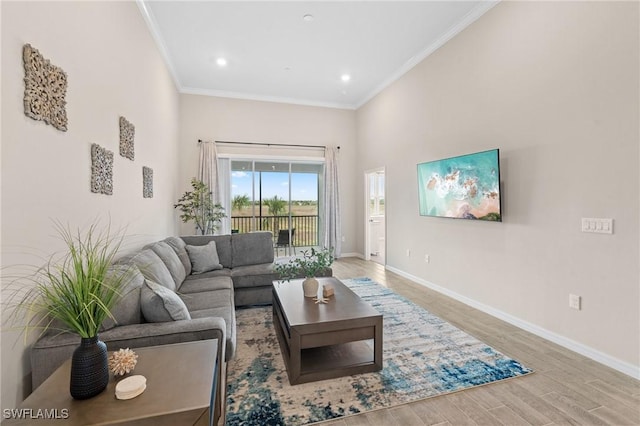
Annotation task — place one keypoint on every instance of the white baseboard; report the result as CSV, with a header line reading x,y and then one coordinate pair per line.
x,y
596,355
352,255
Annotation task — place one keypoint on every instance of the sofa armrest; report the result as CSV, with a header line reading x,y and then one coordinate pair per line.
x,y
51,351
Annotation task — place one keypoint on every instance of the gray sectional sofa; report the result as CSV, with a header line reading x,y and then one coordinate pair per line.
x,y
181,289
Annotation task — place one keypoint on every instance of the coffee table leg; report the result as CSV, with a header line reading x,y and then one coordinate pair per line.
x,y
294,360
377,346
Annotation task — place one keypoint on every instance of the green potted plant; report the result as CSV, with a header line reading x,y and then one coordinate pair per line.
x,y
75,292
309,265
198,206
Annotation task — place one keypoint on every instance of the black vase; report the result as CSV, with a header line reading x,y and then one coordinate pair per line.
x,y
89,368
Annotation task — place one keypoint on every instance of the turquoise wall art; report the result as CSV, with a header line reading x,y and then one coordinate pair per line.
x,y
464,187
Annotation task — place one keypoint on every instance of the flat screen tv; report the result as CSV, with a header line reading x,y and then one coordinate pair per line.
x,y
464,187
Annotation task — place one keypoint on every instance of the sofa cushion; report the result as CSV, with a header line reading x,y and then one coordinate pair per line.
x,y
171,261
252,248
127,309
180,247
153,268
224,272
196,284
253,275
223,244
208,299
159,304
228,313
203,258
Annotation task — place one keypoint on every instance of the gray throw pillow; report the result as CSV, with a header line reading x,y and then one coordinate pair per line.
x,y
204,258
127,308
159,304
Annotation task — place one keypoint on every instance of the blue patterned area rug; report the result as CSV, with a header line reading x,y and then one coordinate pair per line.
x,y
423,356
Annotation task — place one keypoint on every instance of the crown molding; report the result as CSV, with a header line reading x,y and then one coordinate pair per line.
x,y
155,33
467,20
263,98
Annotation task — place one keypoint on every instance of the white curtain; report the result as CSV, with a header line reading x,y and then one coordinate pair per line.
x,y
332,232
224,193
217,178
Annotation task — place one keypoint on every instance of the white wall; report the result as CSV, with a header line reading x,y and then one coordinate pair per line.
x,y
224,119
113,69
555,86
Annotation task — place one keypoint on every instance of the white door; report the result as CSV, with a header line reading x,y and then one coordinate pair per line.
x,y
375,220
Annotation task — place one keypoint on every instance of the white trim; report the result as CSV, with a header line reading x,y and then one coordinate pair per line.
x,y
467,20
596,355
162,47
263,98
367,213
353,254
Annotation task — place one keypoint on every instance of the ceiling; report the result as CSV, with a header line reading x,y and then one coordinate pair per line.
x,y
273,53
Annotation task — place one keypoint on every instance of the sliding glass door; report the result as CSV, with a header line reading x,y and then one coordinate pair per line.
x,y
278,196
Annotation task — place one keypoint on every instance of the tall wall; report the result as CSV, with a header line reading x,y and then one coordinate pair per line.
x,y
555,86
113,68
224,119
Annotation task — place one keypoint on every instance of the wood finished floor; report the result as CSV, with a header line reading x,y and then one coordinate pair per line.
x,y
566,388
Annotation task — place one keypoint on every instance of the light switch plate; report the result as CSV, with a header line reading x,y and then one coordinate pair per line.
x,y
597,225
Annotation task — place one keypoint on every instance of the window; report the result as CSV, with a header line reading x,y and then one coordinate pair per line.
x,y
278,195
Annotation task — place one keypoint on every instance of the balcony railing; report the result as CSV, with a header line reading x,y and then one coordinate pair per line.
x,y
306,227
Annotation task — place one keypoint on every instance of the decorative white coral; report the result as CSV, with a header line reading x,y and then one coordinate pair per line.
x,y
123,361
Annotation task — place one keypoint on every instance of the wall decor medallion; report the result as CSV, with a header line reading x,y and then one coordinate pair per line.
x,y
127,132
45,88
147,182
101,170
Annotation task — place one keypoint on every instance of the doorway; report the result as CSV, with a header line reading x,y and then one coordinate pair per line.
x,y
375,233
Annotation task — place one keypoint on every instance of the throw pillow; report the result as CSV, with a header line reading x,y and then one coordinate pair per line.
x,y
159,304
204,258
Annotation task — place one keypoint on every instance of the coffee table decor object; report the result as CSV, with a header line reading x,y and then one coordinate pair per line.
x,y
309,265
327,291
122,362
320,299
131,387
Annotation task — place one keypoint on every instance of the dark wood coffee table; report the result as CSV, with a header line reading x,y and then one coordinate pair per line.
x,y
324,341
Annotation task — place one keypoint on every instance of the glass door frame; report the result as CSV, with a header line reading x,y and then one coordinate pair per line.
x,y
256,194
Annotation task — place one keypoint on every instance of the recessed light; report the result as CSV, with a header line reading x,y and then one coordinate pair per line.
x,y
308,17
345,77
222,62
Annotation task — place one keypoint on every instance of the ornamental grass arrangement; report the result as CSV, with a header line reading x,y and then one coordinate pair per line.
x,y
76,291
75,288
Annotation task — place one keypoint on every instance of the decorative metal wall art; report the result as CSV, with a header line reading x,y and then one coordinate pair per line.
x,y
127,132
147,182
45,88
101,170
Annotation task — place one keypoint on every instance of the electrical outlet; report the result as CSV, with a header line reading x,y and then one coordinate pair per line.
x,y
574,301
427,259
408,253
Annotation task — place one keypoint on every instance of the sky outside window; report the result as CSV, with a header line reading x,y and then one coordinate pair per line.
x,y
304,185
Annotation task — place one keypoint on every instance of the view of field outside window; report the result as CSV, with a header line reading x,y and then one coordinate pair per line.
x,y
277,197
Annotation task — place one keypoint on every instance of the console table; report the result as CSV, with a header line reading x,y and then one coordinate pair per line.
x,y
179,385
